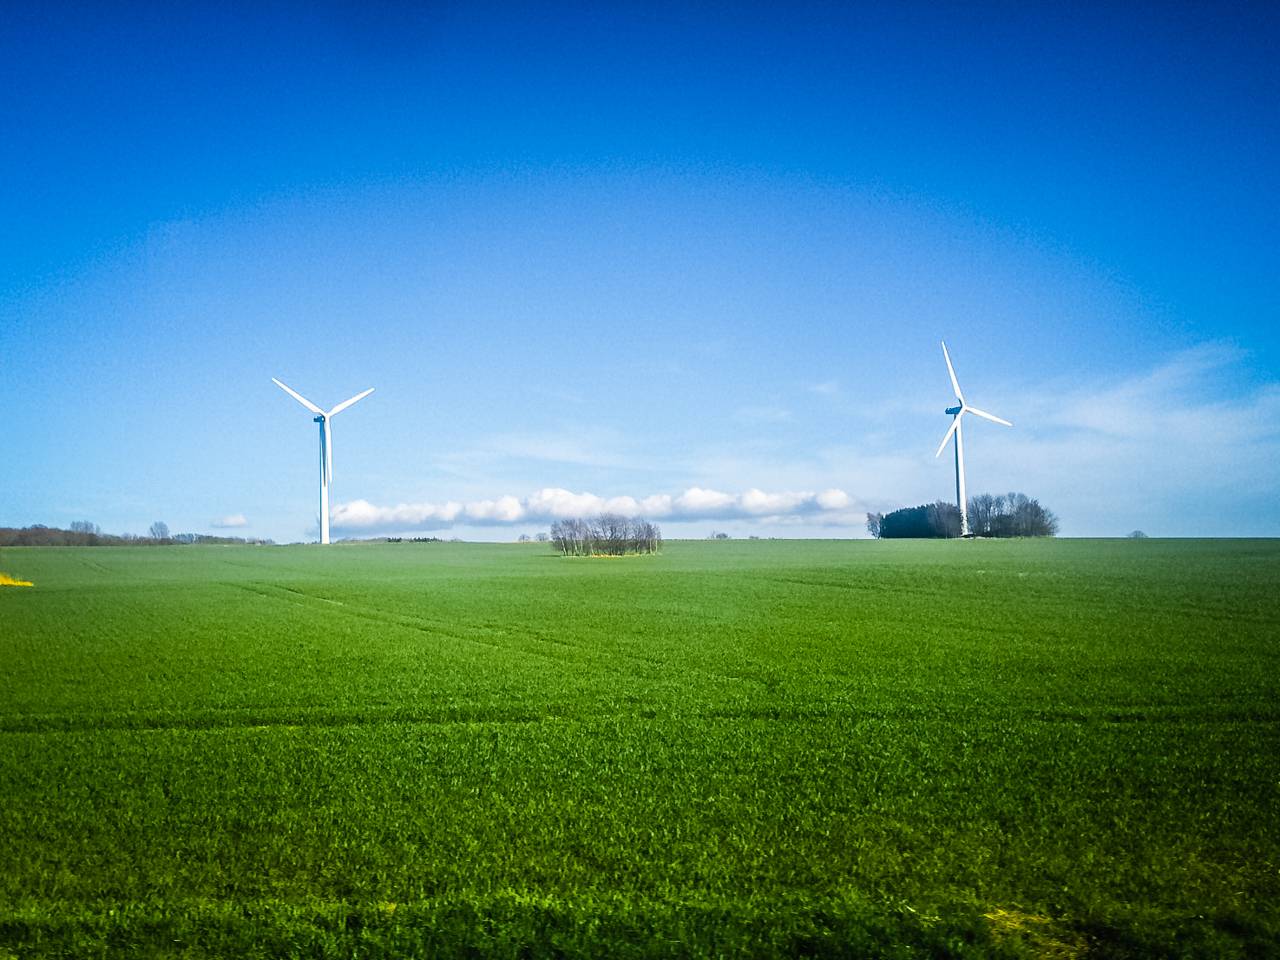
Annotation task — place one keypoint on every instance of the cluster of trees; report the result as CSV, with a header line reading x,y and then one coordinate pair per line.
x,y
82,533
1010,515
608,534
1004,515
939,519
414,540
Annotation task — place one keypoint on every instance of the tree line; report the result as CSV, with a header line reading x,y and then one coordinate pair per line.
x,y
82,533
606,535
1003,515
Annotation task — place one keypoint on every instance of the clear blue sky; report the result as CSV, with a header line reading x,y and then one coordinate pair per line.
x,y
665,251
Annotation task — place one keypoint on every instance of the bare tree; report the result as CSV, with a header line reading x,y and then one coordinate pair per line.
x,y
650,536
982,509
613,533
1017,515
873,524
571,537
159,530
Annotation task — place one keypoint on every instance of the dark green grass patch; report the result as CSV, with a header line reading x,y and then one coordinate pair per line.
x,y
1062,749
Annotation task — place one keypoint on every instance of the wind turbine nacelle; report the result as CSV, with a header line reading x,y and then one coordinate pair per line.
x,y
317,419
953,410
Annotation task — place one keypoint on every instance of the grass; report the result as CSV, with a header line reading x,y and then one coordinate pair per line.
x,y
767,748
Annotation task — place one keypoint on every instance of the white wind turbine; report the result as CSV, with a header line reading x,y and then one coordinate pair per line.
x,y
956,414
326,447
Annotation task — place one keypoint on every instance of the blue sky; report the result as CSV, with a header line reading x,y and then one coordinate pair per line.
x,y
691,259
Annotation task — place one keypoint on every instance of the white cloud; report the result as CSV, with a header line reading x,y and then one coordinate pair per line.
x,y
503,510
757,502
828,508
229,521
657,505
554,502
699,502
833,500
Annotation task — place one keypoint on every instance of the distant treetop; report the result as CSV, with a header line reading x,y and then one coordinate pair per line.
x,y
86,534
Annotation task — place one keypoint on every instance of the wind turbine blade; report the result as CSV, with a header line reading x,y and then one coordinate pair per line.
x,y
297,396
986,416
346,403
952,370
950,430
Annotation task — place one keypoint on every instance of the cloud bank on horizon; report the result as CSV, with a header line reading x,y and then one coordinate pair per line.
x,y
828,507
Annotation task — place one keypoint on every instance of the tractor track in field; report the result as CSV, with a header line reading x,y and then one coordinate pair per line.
x,y
480,634
248,720
258,719
641,667
520,641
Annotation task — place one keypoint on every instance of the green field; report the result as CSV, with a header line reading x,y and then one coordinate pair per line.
x,y
752,748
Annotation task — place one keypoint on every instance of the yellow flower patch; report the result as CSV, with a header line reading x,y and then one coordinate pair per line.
x,y
1043,936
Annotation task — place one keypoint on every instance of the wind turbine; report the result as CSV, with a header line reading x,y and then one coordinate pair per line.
x,y
956,414
326,447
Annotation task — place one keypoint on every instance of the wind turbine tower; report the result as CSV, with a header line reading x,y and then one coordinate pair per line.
x,y
957,413
326,446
